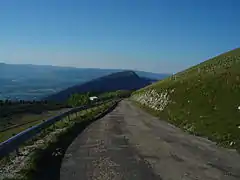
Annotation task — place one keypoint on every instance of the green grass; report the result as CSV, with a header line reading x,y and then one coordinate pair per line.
x,y
206,99
114,94
33,119
15,113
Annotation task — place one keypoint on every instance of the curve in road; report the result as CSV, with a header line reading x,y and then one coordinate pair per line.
x,y
128,143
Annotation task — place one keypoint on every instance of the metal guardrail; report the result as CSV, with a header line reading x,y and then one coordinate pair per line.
x,y
16,141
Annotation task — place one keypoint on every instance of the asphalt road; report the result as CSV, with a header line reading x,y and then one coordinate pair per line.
x,y
131,144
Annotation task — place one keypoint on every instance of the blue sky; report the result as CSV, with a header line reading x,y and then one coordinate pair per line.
x,y
157,36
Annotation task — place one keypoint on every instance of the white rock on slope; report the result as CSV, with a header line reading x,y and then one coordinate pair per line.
x,y
153,99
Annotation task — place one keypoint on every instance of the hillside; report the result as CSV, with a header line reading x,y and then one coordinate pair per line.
x,y
126,80
203,100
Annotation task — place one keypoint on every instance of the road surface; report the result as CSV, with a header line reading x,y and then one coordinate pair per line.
x,y
131,144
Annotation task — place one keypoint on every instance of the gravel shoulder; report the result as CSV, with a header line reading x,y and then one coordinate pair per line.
x,y
128,143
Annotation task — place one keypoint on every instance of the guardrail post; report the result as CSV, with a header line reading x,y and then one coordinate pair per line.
x,y
17,152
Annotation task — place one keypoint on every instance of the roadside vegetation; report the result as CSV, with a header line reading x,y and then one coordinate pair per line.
x,y
16,116
79,99
9,108
115,94
203,100
84,99
41,157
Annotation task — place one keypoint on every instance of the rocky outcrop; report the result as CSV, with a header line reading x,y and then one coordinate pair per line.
x,y
153,99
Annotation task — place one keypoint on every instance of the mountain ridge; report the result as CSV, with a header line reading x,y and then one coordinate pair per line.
x,y
16,83
125,80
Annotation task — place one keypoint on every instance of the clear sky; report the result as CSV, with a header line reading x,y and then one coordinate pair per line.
x,y
157,36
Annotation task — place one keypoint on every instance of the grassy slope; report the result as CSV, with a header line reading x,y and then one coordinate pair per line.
x,y
206,98
10,113
24,121
18,117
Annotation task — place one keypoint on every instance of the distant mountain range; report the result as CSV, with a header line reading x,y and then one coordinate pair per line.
x,y
35,82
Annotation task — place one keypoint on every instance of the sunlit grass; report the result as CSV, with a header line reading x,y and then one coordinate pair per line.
x,y
206,99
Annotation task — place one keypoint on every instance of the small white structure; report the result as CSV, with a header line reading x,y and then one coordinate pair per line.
x,y
93,98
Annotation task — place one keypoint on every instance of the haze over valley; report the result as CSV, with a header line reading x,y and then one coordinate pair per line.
x,y
28,82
